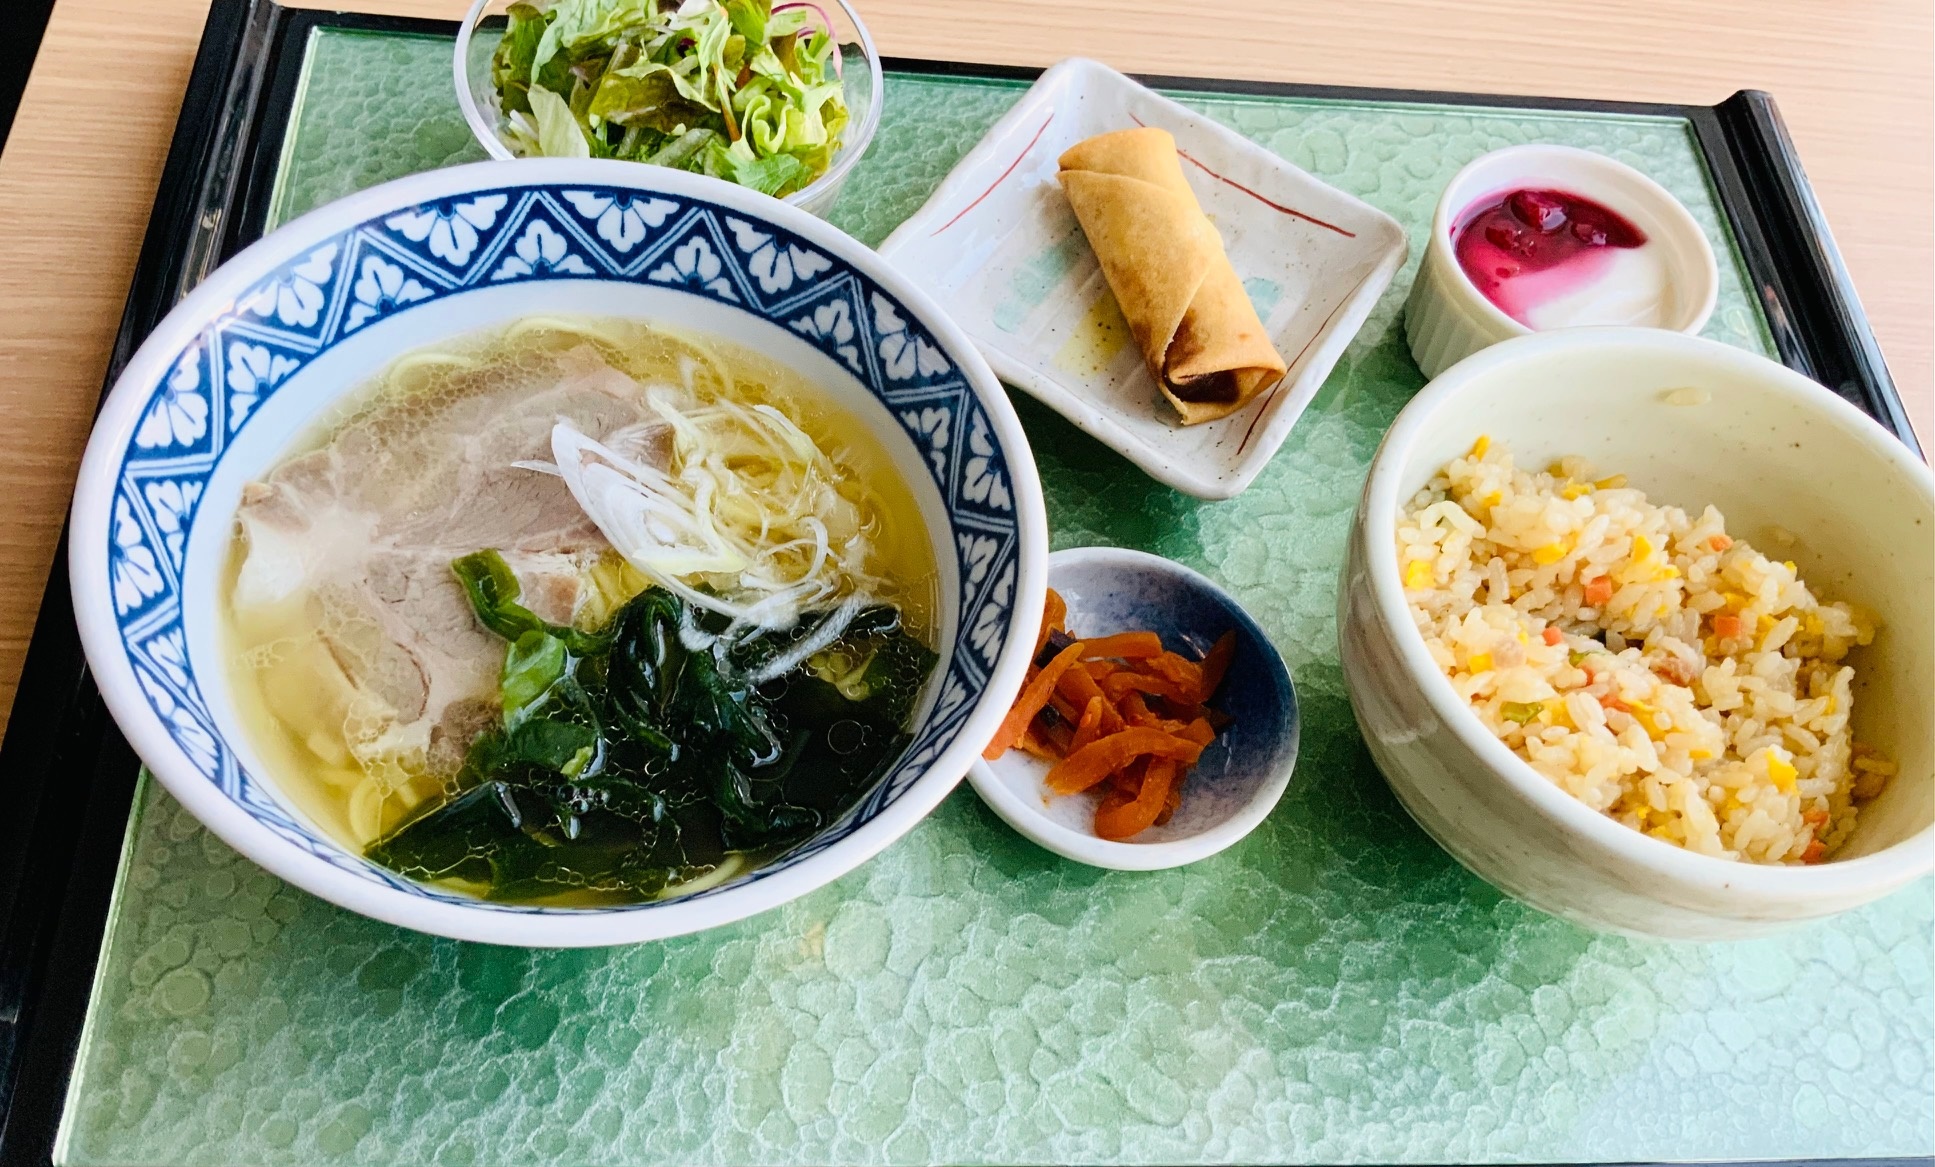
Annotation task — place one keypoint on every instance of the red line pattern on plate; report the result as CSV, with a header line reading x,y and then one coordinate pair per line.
x,y
1292,211
1263,408
997,182
1260,411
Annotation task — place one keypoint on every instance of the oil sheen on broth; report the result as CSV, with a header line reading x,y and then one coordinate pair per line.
x,y
452,669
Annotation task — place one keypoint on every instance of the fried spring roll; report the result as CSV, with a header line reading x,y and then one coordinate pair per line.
x,y
1164,261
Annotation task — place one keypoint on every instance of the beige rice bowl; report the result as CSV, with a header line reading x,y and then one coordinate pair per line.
x,y
1675,679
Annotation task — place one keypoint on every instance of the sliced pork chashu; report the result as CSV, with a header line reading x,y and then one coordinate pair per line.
x,y
346,569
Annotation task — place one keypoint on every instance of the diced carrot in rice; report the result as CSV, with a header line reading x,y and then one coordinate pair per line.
x,y
1701,742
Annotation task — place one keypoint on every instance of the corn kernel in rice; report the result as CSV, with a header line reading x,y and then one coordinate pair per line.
x,y
1715,713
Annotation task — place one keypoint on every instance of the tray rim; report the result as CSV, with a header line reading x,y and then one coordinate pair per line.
x,y
1807,298
60,864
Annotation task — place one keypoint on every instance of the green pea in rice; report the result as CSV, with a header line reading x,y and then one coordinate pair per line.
x,y
1652,667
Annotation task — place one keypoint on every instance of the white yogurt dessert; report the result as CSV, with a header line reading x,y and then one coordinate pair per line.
x,y
1537,238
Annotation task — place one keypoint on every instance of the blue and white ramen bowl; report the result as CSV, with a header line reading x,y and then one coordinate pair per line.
x,y
260,351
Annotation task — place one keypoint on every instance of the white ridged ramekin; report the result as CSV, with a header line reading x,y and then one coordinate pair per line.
x,y
1447,318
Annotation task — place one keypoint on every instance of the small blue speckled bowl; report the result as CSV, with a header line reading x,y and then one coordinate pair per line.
x,y
1238,779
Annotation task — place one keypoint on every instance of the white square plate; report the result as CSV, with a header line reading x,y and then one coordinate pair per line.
x,y
999,247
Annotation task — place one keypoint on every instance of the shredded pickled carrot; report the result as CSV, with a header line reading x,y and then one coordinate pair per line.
x,y
1033,744
1124,646
1090,727
1119,819
1135,711
1122,682
1216,662
1197,731
1119,715
1034,695
1067,710
1171,667
1052,614
1105,756
1079,687
1173,802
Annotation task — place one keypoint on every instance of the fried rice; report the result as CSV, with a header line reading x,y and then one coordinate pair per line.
x,y
1661,672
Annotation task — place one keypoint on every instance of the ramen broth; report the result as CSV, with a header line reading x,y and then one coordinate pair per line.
x,y
379,695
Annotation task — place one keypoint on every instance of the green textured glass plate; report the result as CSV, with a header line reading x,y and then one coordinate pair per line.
x,y
1333,988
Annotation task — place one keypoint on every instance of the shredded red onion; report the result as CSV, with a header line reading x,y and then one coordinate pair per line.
x,y
832,34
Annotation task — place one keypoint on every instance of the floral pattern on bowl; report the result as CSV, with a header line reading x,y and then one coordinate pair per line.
x,y
384,272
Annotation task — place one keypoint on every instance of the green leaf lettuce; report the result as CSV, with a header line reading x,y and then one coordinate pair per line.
x,y
720,87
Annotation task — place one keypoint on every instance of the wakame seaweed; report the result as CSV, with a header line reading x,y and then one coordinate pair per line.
x,y
645,753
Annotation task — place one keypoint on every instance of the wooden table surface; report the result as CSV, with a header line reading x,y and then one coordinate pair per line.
x,y
1854,81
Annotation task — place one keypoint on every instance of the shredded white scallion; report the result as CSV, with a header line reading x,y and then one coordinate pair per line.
x,y
693,637
744,517
821,637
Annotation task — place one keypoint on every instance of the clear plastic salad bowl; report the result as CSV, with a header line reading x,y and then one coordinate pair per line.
x,y
860,75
